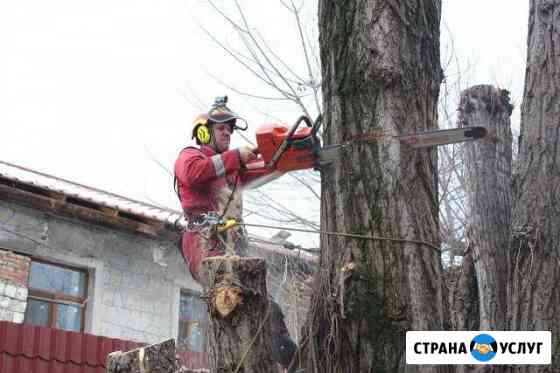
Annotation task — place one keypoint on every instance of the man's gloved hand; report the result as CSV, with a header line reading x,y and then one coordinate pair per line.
x,y
247,154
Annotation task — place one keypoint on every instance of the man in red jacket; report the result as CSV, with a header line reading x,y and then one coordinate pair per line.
x,y
210,179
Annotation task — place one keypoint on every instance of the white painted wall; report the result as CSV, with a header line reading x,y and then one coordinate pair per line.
x,y
132,293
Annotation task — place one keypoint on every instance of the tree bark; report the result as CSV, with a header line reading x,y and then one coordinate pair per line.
x,y
536,218
239,337
156,358
463,295
488,191
381,74
463,299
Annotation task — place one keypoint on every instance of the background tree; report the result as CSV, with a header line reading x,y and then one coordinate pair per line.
x,y
488,168
513,256
478,298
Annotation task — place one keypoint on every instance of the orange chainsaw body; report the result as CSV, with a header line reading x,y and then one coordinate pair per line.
x,y
300,155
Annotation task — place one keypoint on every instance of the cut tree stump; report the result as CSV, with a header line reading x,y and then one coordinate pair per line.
x,y
156,358
239,337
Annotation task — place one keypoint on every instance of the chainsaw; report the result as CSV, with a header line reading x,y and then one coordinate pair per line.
x,y
284,149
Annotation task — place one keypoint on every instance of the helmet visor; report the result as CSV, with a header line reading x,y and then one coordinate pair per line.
x,y
222,114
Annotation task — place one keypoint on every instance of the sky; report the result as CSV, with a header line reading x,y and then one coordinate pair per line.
x,y
103,92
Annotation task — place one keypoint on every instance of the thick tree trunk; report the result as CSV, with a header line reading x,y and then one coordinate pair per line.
x,y
488,190
536,246
239,336
381,73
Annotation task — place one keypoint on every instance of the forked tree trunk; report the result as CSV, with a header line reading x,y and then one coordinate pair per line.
x,y
381,74
239,328
488,191
536,247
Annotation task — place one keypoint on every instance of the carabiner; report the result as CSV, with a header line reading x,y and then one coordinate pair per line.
x,y
229,223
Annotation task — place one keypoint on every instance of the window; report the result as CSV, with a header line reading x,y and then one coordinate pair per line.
x,y
193,322
57,296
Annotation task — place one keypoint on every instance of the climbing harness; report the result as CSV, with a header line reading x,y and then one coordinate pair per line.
x,y
210,219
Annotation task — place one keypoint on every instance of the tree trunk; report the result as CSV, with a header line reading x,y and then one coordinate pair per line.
x,y
463,299
381,74
536,218
488,191
463,295
239,329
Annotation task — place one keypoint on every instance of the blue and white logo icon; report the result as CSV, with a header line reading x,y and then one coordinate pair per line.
x,y
483,347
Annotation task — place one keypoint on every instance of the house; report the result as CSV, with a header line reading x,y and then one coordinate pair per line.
x,y
80,259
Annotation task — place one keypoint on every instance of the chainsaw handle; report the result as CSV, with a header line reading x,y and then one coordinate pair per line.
x,y
317,125
288,141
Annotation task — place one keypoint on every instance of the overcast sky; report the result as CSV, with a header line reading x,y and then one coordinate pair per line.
x,y
93,91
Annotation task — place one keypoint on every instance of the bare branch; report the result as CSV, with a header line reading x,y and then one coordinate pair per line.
x,y
228,86
297,99
304,47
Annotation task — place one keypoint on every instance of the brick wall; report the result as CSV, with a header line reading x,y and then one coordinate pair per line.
x,y
14,275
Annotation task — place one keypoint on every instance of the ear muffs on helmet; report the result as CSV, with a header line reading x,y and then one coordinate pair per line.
x,y
203,134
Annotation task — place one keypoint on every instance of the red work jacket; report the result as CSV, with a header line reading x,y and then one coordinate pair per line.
x,y
209,181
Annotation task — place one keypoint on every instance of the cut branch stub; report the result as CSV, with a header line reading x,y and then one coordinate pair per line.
x,y
226,299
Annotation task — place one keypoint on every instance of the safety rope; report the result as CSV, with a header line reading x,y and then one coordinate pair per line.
x,y
350,235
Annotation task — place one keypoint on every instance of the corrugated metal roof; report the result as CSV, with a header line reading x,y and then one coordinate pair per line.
x,y
111,200
100,197
29,348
